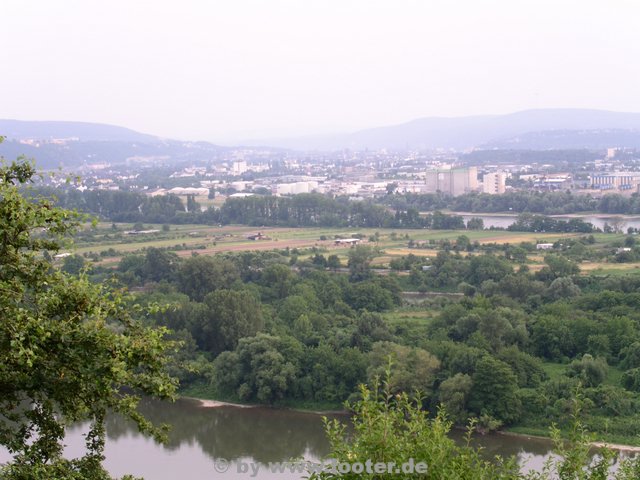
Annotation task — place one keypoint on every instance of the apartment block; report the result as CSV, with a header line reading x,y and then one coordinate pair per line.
x,y
494,183
452,181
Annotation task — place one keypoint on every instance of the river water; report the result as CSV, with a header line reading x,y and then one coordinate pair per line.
x,y
598,221
204,438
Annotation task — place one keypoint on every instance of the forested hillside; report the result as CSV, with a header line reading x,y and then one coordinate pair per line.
x,y
514,350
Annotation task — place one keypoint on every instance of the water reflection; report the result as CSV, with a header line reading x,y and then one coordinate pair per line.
x,y
200,436
265,434
599,221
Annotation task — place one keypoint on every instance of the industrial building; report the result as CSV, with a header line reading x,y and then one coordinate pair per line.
x,y
295,188
452,181
615,181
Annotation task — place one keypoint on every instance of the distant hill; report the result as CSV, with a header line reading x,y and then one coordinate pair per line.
x,y
557,129
599,129
569,140
83,131
95,143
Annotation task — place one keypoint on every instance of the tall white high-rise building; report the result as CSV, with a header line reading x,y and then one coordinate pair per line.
x,y
494,183
238,167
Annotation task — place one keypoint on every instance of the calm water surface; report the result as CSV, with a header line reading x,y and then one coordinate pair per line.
x,y
504,221
201,435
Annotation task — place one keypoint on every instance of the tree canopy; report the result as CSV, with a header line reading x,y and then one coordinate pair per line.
x,y
70,349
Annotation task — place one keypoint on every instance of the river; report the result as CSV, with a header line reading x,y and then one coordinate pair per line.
x,y
598,221
202,436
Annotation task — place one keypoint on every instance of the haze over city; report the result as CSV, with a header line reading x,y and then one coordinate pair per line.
x,y
233,71
319,239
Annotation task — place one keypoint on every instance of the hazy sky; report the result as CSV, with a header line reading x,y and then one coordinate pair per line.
x,y
227,70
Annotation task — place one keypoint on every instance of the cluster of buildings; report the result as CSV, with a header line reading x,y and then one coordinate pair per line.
x,y
458,181
363,174
347,181
451,181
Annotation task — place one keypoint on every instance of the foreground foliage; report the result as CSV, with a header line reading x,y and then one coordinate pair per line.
x,y
395,428
69,348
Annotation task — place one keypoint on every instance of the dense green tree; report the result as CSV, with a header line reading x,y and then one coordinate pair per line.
x,y
552,338
515,253
414,369
200,275
158,209
369,295
292,307
263,368
332,375
456,357
319,260
391,188
631,379
69,349
475,223
622,332
158,265
183,314
327,288
630,356
488,267
557,266
494,391
370,328
130,269
276,281
230,316
528,369
562,288
333,262
463,243
502,326
520,286
453,394
73,264
360,258
589,370
598,345
192,204
393,428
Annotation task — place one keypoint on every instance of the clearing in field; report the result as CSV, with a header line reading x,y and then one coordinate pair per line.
x,y
519,237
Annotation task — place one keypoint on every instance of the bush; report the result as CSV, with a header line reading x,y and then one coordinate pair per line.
x,y
590,371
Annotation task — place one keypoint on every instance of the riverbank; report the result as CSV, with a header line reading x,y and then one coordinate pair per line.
x,y
209,398
596,444
622,444
522,432
204,403
217,404
557,215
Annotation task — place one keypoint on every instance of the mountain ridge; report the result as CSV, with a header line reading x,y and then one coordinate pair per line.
x,y
62,129
463,133
537,129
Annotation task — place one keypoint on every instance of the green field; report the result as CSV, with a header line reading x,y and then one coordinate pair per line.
x,y
110,245
214,239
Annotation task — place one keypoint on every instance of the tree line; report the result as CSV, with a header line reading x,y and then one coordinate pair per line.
x,y
257,330
525,201
316,210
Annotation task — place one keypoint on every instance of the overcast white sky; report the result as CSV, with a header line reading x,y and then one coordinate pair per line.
x,y
224,70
